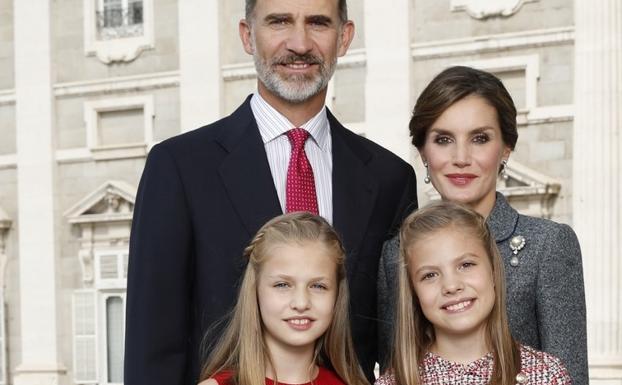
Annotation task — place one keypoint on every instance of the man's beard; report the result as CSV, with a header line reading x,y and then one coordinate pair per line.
x,y
294,88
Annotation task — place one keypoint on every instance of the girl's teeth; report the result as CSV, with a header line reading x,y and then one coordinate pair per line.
x,y
459,306
299,321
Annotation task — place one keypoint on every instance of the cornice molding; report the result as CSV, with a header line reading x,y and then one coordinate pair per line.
x,y
492,43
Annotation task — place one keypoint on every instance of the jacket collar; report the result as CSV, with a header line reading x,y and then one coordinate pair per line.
x,y
503,219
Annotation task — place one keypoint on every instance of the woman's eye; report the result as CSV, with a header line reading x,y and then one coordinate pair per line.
x,y
442,140
281,285
481,138
427,276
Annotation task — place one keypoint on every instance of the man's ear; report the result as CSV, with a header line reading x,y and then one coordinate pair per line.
x,y
246,31
347,34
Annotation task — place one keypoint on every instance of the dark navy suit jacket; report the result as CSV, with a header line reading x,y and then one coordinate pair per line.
x,y
202,196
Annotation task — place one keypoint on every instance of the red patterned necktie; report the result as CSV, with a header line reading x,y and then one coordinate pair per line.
x,y
300,189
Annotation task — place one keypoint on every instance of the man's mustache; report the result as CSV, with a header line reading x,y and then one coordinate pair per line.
x,y
292,59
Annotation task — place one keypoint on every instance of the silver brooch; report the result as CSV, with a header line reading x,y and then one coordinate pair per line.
x,y
516,244
521,378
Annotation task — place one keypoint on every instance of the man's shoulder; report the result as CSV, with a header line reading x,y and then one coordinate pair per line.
x,y
221,130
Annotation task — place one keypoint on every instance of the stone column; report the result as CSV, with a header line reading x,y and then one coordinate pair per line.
x,y
597,183
36,168
200,85
388,103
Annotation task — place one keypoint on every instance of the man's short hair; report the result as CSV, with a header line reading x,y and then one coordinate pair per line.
x,y
343,10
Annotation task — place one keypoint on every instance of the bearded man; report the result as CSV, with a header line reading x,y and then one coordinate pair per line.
x,y
205,193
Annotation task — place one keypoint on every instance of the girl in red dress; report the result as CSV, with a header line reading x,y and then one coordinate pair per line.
x,y
451,323
290,323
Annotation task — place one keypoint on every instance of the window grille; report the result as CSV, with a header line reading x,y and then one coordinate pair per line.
x,y
120,18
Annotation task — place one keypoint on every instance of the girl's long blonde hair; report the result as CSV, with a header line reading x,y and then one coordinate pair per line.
x,y
414,334
242,350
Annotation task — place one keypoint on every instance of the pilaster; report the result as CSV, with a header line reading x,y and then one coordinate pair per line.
x,y
388,103
200,83
597,184
40,361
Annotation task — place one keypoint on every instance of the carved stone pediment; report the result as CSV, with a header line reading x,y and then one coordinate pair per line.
x,y
482,9
112,201
529,191
104,218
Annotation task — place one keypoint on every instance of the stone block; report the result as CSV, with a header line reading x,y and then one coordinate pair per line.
x,y
546,151
349,96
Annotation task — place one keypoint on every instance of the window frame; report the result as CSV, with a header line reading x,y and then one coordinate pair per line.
x,y
122,49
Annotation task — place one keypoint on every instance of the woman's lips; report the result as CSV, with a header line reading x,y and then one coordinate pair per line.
x,y
461,179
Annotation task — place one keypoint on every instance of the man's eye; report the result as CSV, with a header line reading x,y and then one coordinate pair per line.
x,y
278,22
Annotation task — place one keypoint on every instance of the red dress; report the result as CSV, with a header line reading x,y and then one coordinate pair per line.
x,y
324,377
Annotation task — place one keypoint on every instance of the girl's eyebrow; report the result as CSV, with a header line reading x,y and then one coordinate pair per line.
x,y
458,258
291,278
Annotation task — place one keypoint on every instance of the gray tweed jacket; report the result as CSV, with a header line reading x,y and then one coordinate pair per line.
x,y
545,294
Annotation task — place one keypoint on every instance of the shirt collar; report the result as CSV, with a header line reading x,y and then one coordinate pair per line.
x,y
273,124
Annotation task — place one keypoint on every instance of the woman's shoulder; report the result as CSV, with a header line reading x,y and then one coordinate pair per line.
x,y
542,368
547,232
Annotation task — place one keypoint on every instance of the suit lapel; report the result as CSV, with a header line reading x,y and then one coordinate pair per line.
x,y
354,189
245,171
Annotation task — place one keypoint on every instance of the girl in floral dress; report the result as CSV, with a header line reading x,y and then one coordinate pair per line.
x,y
451,323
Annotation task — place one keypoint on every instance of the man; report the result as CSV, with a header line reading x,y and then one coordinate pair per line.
x,y
205,193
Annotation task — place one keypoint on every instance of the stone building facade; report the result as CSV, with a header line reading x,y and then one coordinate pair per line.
x,y
88,86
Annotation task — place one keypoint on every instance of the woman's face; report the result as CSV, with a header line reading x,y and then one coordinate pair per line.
x,y
464,149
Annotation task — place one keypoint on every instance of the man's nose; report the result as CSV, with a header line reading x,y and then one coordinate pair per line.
x,y
299,40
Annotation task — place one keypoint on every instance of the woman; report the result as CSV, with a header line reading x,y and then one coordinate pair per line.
x,y
464,126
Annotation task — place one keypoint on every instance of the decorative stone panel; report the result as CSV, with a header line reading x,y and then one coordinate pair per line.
x,y
482,9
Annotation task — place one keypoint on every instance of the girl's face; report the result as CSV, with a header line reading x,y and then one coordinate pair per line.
x,y
452,278
296,291
464,149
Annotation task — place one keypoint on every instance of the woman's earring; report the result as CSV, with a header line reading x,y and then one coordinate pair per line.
x,y
504,165
427,179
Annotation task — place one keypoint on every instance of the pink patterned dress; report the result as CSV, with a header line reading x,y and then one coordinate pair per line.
x,y
537,368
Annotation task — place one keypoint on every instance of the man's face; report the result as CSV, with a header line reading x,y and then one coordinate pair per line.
x,y
295,45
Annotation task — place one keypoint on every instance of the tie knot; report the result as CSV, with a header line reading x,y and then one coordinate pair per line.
x,y
297,137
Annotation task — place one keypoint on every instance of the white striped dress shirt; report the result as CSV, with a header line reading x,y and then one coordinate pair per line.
x,y
273,127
